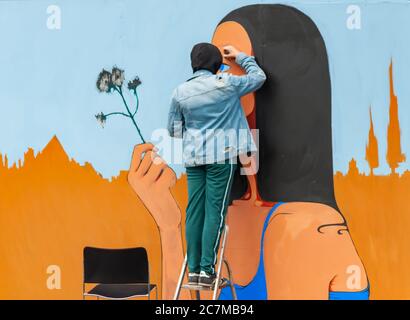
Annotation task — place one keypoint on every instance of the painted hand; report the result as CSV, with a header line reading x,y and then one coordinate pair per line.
x,y
151,179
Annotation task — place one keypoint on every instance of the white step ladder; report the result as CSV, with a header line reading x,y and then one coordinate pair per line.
x,y
219,285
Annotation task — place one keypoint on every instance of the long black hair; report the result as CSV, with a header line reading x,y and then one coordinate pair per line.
x,y
293,109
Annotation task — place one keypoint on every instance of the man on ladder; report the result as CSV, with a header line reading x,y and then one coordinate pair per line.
x,y
206,113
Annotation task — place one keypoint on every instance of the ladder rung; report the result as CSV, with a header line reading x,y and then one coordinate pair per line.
x,y
223,285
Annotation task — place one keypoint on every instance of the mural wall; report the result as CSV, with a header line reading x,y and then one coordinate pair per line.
x,y
334,119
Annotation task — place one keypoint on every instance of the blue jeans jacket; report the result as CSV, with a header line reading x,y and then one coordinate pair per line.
x,y
206,113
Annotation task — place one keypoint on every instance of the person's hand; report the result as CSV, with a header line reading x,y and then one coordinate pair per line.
x,y
151,179
230,52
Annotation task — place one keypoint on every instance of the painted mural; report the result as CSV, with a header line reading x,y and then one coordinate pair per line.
x,y
326,215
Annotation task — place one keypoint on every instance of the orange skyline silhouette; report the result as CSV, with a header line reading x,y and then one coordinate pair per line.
x,y
394,153
51,207
372,148
377,211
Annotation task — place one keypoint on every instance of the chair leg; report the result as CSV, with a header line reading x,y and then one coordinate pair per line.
x,y
198,295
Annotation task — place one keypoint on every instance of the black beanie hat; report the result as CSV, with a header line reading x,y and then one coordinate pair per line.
x,y
206,56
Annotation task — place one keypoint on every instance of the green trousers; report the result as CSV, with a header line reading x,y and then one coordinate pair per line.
x,y
209,189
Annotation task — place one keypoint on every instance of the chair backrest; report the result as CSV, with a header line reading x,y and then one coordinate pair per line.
x,y
126,266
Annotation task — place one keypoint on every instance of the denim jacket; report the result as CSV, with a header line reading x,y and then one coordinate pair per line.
x,y
206,113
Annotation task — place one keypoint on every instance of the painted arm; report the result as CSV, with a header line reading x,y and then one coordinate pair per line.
x,y
151,179
302,262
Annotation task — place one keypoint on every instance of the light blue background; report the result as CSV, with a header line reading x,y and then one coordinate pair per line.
x,y
47,81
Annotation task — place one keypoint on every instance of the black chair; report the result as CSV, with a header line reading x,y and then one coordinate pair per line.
x,y
118,274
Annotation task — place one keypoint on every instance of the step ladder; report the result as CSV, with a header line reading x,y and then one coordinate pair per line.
x,y
220,283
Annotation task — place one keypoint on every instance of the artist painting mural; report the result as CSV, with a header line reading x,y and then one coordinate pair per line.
x,y
294,220
322,216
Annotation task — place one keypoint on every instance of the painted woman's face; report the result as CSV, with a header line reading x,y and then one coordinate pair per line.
x,y
232,33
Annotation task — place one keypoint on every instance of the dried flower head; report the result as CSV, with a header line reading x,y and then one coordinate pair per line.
x,y
117,77
134,84
101,118
104,83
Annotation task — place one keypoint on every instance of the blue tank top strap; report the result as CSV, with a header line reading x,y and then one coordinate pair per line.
x,y
351,296
256,290
266,225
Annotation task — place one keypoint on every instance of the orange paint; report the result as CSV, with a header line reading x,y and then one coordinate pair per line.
x,y
372,148
379,215
50,209
304,264
394,153
232,33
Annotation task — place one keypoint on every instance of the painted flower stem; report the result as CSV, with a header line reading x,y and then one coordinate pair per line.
x,y
138,102
119,90
117,114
